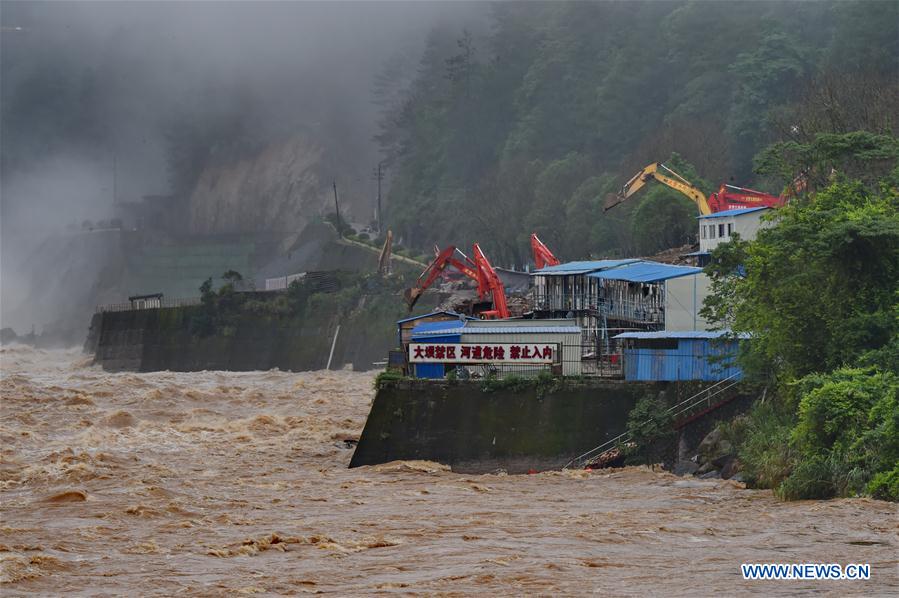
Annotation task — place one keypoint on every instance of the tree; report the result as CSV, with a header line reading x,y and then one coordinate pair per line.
x,y
650,427
553,188
860,155
818,292
820,285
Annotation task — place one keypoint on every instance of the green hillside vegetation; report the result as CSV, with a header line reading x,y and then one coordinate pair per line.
x,y
363,300
526,127
819,293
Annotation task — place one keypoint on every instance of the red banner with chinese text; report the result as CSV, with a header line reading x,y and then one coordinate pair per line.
x,y
524,353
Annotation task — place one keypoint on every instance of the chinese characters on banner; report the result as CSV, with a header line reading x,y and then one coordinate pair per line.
x,y
529,353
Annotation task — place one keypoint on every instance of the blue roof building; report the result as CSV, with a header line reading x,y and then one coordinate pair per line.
x,y
670,356
563,335
404,327
734,212
645,271
720,227
582,267
610,296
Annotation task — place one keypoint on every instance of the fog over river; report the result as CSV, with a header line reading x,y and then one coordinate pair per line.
x,y
219,483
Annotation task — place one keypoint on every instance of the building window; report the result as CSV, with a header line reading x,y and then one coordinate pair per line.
x,y
665,344
711,231
730,229
702,229
721,230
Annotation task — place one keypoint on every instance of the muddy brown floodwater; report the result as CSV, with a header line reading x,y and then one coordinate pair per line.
x,y
219,483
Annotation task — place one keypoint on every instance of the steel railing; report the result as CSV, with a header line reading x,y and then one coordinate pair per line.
x,y
702,397
610,308
182,302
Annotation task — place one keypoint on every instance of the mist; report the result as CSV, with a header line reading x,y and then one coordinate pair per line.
x,y
91,92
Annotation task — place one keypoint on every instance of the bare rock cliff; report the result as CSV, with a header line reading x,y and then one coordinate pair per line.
x,y
279,191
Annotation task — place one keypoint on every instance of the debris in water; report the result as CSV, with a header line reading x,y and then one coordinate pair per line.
x,y
68,496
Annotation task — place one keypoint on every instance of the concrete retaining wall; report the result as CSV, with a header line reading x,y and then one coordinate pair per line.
x,y
162,339
513,429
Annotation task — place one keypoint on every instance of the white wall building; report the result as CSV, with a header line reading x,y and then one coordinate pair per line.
x,y
683,300
718,228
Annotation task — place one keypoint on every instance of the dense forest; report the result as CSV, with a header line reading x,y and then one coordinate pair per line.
x,y
527,125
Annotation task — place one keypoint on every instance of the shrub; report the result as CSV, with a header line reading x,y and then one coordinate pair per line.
x,y
843,441
650,427
885,485
810,479
764,449
848,418
512,382
385,378
543,383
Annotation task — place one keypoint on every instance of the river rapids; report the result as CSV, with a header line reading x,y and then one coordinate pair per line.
x,y
225,483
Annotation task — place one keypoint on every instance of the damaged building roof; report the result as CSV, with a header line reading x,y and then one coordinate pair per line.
x,y
436,313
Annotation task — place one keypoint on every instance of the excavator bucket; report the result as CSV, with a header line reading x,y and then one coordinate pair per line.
x,y
411,296
612,200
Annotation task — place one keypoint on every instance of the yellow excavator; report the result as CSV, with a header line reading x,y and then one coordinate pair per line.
x,y
652,172
728,197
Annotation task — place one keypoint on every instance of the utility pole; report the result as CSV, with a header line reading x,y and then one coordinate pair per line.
x,y
380,178
337,208
379,175
115,179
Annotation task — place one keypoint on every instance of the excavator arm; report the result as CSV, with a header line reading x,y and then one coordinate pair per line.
x,y
543,257
467,267
667,177
430,274
488,280
444,259
478,269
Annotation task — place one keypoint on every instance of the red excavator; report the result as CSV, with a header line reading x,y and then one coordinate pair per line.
x,y
728,197
543,257
477,268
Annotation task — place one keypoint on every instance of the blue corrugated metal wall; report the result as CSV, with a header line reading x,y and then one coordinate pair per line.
x,y
429,370
433,370
694,359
